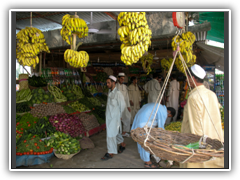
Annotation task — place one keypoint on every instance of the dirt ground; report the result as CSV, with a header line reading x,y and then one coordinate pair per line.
x,y
91,158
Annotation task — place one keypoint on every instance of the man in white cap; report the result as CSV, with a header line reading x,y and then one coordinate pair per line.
x,y
126,115
114,110
196,119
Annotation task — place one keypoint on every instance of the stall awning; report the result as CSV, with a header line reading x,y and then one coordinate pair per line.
x,y
211,56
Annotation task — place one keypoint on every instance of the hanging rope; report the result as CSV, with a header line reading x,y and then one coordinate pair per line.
x,y
30,19
161,95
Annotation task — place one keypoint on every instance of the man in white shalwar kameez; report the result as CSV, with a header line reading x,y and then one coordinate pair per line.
x,y
141,119
173,95
114,110
126,115
134,97
153,88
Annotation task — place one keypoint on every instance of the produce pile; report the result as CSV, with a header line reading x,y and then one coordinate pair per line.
x,y
68,109
48,109
57,93
22,107
63,143
87,93
32,145
23,95
89,121
101,77
102,101
135,36
68,93
37,81
147,62
42,129
105,89
26,122
67,123
174,126
78,106
185,41
99,113
86,102
103,97
95,101
77,91
40,96
92,89
30,42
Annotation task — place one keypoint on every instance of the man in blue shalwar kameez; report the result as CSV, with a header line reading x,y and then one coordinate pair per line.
x,y
141,119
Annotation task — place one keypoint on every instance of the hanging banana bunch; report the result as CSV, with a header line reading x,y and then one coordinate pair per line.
x,y
30,42
75,58
166,63
72,24
185,41
135,36
147,62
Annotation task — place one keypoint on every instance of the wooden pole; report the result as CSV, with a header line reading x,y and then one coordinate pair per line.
x,y
40,64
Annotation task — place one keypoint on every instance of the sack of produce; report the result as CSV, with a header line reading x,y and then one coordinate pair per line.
x,y
89,121
86,143
23,81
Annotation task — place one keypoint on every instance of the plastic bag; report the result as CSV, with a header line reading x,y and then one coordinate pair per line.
x,y
30,160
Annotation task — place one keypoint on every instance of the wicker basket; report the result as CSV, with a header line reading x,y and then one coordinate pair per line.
x,y
32,87
64,156
168,145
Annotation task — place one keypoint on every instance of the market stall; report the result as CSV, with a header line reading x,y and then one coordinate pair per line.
x,y
63,99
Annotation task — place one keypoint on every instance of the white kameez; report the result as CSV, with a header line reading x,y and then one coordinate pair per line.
x,y
126,115
153,89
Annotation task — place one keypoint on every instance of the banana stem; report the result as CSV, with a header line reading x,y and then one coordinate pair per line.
x,y
79,44
74,41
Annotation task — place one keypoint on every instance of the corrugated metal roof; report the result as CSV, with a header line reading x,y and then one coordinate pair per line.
x,y
44,23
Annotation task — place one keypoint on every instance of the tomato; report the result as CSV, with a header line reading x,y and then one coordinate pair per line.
x,y
35,122
27,153
16,147
51,148
29,125
20,154
40,140
41,153
45,146
20,136
35,153
31,151
24,153
38,153
34,136
27,145
38,147
25,141
22,129
35,144
18,123
27,122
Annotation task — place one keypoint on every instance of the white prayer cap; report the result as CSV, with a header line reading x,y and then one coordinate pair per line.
x,y
113,78
198,71
121,74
